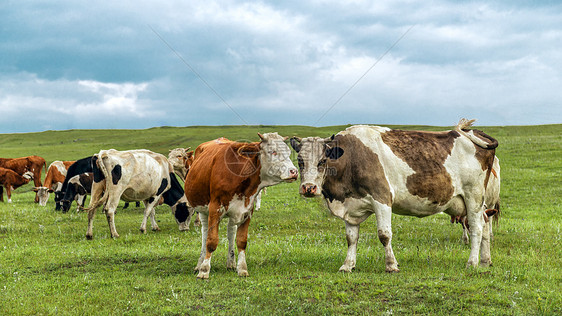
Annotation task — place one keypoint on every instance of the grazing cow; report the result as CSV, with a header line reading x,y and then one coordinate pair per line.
x,y
56,173
491,200
78,188
21,165
371,169
224,180
83,165
135,175
11,180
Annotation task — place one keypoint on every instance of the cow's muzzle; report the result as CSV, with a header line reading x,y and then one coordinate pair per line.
x,y
309,190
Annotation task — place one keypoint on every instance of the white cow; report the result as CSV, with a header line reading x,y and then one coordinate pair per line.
x,y
135,175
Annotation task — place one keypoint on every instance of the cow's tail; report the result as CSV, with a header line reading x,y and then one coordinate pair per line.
x,y
462,128
97,163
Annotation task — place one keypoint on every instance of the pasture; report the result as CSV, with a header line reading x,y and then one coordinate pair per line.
x,y
294,248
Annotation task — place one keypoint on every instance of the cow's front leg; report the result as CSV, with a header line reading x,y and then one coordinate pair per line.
x,y
149,211
384,230
241,242
204,232
352,236
212,240
231,256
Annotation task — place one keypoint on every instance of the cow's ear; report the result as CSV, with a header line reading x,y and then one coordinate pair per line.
x,y
189,154
334,152
296,143
491,212
249,150
50,190
35,189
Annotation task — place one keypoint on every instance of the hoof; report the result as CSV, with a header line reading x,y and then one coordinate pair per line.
x,y
395,270
89,237
115,236
243,273
143,231
346,269
155,229
202,275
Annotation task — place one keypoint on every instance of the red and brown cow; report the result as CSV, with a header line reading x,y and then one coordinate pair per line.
x,y
371,169
11,180
21,165
224,180
56,173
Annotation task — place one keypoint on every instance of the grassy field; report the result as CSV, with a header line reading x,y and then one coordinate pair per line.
x,y
295,247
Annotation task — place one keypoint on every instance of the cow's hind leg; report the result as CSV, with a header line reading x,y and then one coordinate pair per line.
x,y
90,231
352,236
476,223
110,214
384,230
485,255
231,256
241,241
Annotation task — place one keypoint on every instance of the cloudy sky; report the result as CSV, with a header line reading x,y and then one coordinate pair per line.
x,y
138,64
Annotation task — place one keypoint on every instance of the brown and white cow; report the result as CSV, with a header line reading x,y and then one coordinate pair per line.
x,y
56,173
491,200
371,169
135,175
224,180
21,165
11,180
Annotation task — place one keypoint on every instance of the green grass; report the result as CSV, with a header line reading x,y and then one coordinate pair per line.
x,y
294,250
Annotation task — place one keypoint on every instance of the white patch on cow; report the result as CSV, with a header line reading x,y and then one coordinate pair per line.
x,y
238,211
60,167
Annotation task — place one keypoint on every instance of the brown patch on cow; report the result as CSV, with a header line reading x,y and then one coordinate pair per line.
x,y
425,153
357,173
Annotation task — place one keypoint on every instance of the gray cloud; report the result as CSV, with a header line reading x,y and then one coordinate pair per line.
x,y
81,65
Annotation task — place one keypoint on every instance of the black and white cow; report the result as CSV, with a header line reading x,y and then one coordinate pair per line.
x,y
78,188
371,169
80,166
135,175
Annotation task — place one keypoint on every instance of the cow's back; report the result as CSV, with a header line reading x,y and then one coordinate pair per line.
x,y
220,171
422,171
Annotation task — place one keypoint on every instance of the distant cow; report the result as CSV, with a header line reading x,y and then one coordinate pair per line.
x,y
78,188
224,180
80,166
491,200
56,173
371,169
135,175
23,164
11,180
181,159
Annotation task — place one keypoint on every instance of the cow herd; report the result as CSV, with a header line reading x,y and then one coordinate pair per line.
x,y
360,171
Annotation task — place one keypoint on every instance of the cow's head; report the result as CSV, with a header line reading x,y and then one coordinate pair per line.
x,y
275,159
42,194
65,205
181,159
59,195
28,175
314,154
